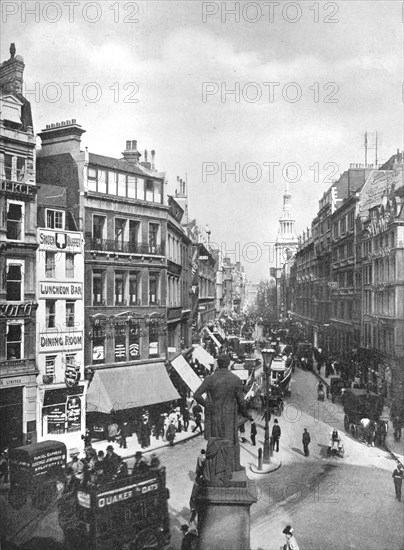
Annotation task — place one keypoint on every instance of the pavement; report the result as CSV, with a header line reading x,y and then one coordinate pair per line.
x,y
133,445
395,448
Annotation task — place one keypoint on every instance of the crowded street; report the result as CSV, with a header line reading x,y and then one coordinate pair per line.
x,y
317,494
202,290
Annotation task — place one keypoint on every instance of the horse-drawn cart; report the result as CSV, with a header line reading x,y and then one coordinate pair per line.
x,y
360,404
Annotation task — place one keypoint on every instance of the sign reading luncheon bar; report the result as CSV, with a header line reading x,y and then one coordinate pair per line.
x,y
61,290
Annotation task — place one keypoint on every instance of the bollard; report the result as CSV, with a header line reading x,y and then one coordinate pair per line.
x,y
260,459
271,447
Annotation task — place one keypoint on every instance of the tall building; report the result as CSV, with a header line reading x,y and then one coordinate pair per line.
x,y
118,204
60,326
18,244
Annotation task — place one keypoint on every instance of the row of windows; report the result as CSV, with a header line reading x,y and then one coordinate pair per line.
x,y
51,313
125,231
124,185
127,288
126,343
14,168
344,224
15,215
381,338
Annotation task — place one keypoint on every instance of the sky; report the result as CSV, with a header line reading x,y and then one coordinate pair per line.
x,y
237,97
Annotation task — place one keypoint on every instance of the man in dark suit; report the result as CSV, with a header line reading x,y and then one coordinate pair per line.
x,y
225,399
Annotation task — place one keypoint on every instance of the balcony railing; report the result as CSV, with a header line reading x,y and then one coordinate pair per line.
x,y
126,247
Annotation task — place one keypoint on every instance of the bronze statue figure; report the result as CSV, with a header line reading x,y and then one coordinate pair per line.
x,y
224,401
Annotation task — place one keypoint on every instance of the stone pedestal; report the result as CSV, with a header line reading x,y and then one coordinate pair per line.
x,y
224,514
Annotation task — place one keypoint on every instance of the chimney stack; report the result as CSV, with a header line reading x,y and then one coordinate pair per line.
x,y
131,154
61,137
12,72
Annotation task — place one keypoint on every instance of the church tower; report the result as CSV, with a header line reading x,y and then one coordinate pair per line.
x,y
286,240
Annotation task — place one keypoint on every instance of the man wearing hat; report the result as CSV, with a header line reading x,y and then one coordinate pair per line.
x,y
397,476
225,399
291,543
110,462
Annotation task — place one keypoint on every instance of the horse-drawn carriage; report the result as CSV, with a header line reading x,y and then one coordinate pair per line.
x,y
360,405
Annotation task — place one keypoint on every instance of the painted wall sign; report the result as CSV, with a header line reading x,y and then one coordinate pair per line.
x,y
61,290
49,239
60,341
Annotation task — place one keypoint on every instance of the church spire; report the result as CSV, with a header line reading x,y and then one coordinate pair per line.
x,y
286,241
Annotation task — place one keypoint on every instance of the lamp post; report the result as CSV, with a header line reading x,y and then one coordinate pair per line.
x,y
267,356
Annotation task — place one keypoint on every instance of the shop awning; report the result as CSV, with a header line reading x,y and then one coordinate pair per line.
x,y
203,357
129,387
186,372
213,337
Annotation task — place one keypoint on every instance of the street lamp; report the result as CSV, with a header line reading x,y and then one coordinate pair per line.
x,y
267,356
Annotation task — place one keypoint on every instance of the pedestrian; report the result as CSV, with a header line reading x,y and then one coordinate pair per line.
x,y
192,501
200,461
306,440
190,540
87,439
276,434
112,431
291,543
171,431
185,417
398,480
197,410
253,433
123,433
4,466
145,433
154,461
397,428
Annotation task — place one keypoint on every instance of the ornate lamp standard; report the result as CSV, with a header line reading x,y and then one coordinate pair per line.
x,y
267,356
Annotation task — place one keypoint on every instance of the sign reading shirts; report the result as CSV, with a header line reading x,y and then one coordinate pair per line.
x,y
69,241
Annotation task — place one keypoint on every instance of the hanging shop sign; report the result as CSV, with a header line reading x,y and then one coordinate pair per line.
x,y
72,375
73,413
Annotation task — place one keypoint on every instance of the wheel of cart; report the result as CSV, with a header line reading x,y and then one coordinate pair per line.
x,y
146,539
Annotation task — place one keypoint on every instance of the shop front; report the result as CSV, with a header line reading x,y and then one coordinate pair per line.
x,y
17,408
62,414
118,394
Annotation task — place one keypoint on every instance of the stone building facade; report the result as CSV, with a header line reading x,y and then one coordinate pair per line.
x,y
18,244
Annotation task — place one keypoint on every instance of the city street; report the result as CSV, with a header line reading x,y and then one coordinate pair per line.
x,y
332,503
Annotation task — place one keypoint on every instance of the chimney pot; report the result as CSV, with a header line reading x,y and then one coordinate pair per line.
x,y
128,145
47,126
134,144
73,121
68,122
52,125
145,155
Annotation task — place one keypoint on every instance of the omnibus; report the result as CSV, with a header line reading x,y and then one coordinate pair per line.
x,y
124,514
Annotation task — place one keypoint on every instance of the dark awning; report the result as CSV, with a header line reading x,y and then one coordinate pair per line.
x,y
118,388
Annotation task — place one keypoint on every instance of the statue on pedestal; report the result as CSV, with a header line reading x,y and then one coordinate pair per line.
x,y
224,402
